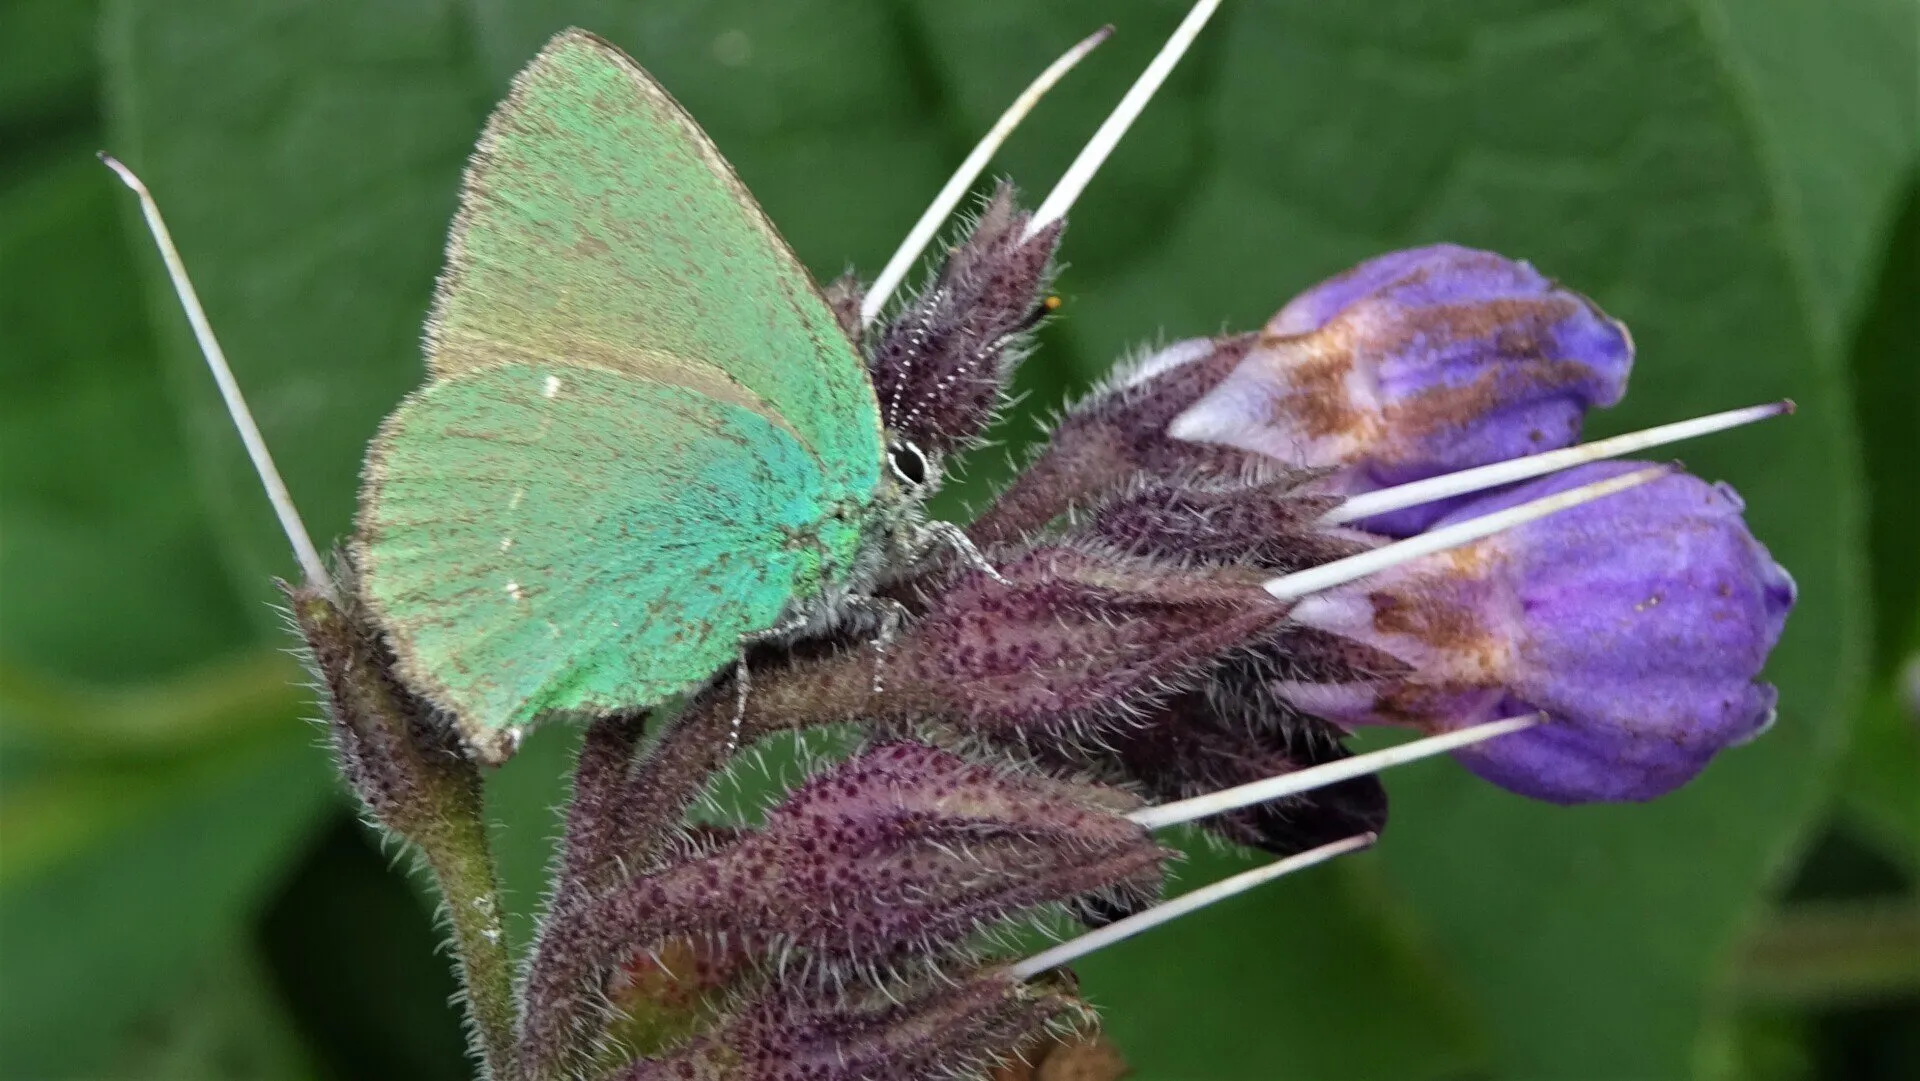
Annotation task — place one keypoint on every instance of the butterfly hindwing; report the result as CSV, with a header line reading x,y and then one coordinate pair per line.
x,y
615,538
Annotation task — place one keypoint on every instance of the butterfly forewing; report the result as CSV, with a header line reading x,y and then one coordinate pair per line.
x,y
599,225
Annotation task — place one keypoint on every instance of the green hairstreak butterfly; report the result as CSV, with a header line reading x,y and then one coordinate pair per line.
x,y
644,438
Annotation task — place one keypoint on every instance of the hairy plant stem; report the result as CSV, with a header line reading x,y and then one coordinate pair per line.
x,y
457,851
402,758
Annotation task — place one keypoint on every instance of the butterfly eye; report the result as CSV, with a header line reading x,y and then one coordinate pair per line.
x,y
908,464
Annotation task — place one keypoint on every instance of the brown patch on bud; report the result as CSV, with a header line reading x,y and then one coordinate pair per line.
x,y
665,996
1076,1057
940,1031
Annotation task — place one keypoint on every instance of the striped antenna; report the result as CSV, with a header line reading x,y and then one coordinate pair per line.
x,y
957,186
1292,587
1306,780
1094,154
303,549
1075,948
1480,478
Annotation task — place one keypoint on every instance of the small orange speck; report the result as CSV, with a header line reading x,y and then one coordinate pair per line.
x,y
1052,304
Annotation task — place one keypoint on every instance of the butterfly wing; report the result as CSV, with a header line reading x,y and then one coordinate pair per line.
x,y
709,432
540,537
598,225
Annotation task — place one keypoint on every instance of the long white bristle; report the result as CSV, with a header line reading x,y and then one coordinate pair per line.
x,y
1483,477
1075,948
1094,154
303,549
1306,780
962,180
1289,587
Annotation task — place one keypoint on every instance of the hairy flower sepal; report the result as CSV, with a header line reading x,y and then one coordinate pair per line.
x,y
904,850
1414,364
936,1029
1638,623
940,368
899,854
1070,638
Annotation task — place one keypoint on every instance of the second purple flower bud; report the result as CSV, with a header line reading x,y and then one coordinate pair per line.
x,y
1638,623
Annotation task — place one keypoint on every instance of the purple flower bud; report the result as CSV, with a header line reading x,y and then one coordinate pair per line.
x,y
1637,622
941,366
1414,364
903,850
1071,637
941,1030
1118,434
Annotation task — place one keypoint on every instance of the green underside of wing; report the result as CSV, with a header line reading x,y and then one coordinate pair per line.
x,y
545,537
598,225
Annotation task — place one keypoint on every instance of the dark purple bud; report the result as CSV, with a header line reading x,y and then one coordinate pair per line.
x,y
396,752
939,1030
1071,637
1270,524
941,366
1201,742
1117,434
1637,622
1414,364
904,850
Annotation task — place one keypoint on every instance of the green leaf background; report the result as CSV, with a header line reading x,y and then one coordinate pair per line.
x,y
182,893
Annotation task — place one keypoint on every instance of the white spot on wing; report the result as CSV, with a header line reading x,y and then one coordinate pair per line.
x,y
514,590
506,543
518,495
552,388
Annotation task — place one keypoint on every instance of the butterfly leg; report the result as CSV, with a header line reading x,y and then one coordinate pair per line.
x,y
955,539
742,681
889,615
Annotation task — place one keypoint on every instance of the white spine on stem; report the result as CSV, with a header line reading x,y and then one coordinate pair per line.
x,y
1075,948
957,186
1480,478
1292,587
1094,154
303,549
1306,780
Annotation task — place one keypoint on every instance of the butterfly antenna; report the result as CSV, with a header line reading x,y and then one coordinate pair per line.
x,y
1291,587
1075,948
303,549
1094,154
962,180
1480,478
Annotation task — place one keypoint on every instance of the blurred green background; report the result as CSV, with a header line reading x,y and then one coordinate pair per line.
x,y
184,892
